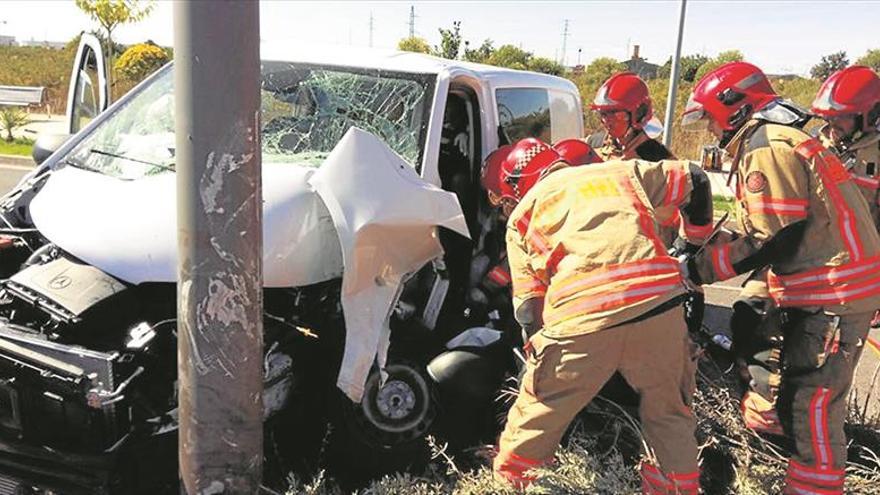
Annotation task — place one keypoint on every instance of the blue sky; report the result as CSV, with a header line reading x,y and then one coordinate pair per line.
x,y
780,36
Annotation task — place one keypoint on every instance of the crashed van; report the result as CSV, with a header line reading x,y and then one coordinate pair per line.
x,y
375,232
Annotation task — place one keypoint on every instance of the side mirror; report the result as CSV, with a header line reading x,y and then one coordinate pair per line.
x,y
46,144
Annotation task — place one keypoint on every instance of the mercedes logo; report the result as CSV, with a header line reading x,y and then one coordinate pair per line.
x,y
59,282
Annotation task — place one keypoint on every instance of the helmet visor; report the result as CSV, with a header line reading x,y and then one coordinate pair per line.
x,y
694,117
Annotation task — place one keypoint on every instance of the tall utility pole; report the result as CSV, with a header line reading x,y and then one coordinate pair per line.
x,y
412,21
220,246
371,29
673,81
564,41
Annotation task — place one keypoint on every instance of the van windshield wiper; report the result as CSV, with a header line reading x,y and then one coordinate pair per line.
x,y
77,164
123,157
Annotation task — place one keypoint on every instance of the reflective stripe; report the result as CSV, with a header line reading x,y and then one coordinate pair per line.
x,y
597,278
535,238
698,232
528,287
826,295
676,182
499,275
799,488
513,467
673,220
866,182
830,478
655,479
646,220
604,301
819,428
827,275
811,149
686,483
522,224
788,207
721,262
517,460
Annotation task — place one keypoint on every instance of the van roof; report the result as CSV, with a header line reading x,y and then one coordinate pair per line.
x,y
398,61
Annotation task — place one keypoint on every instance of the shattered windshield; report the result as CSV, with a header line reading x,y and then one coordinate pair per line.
x,y
305,111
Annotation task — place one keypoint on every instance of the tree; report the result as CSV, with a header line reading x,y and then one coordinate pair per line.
x,y
73,44
12,118
546,66
450,42
828,65
511,57
688,67
480,55
601,69
110,14
719,60
414,44
141,60
871,58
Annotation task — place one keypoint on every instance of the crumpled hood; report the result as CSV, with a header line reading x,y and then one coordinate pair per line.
x,y
129,228
364,215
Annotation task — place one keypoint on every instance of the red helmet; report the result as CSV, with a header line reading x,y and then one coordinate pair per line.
x,y
729,95
491,178
510,171
851,91
625,92
576,152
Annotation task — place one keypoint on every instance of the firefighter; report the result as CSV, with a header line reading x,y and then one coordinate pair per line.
x,y
596,292
803,217
849,100
491,274
625,108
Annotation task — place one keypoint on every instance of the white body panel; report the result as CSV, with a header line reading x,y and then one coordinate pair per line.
x,y
386,218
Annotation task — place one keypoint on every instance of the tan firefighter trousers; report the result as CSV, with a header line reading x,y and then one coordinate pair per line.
x,y
563,374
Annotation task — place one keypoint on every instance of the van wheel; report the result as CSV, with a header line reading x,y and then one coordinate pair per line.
x,y
386,431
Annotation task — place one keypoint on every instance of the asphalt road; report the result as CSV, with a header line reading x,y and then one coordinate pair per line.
x,y
10,175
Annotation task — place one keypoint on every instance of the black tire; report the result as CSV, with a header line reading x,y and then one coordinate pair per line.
x,y
386,432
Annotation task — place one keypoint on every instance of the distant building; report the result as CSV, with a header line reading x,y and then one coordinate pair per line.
x,y
45,44
643,68
7,40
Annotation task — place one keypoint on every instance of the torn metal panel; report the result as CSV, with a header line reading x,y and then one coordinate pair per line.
x,y
386,218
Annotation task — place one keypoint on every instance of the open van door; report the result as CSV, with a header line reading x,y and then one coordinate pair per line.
x,y
89,91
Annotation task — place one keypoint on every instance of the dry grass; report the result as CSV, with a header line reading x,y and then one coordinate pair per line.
x,y
600,456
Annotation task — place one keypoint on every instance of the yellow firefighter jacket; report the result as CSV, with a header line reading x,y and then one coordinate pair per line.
x,y
785,176
585,240
643,147
862,160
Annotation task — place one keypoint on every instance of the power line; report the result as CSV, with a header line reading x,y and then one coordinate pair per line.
x,y
564,41
371,29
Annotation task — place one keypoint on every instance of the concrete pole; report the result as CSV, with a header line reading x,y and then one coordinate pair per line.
x,y
673,81
220,271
